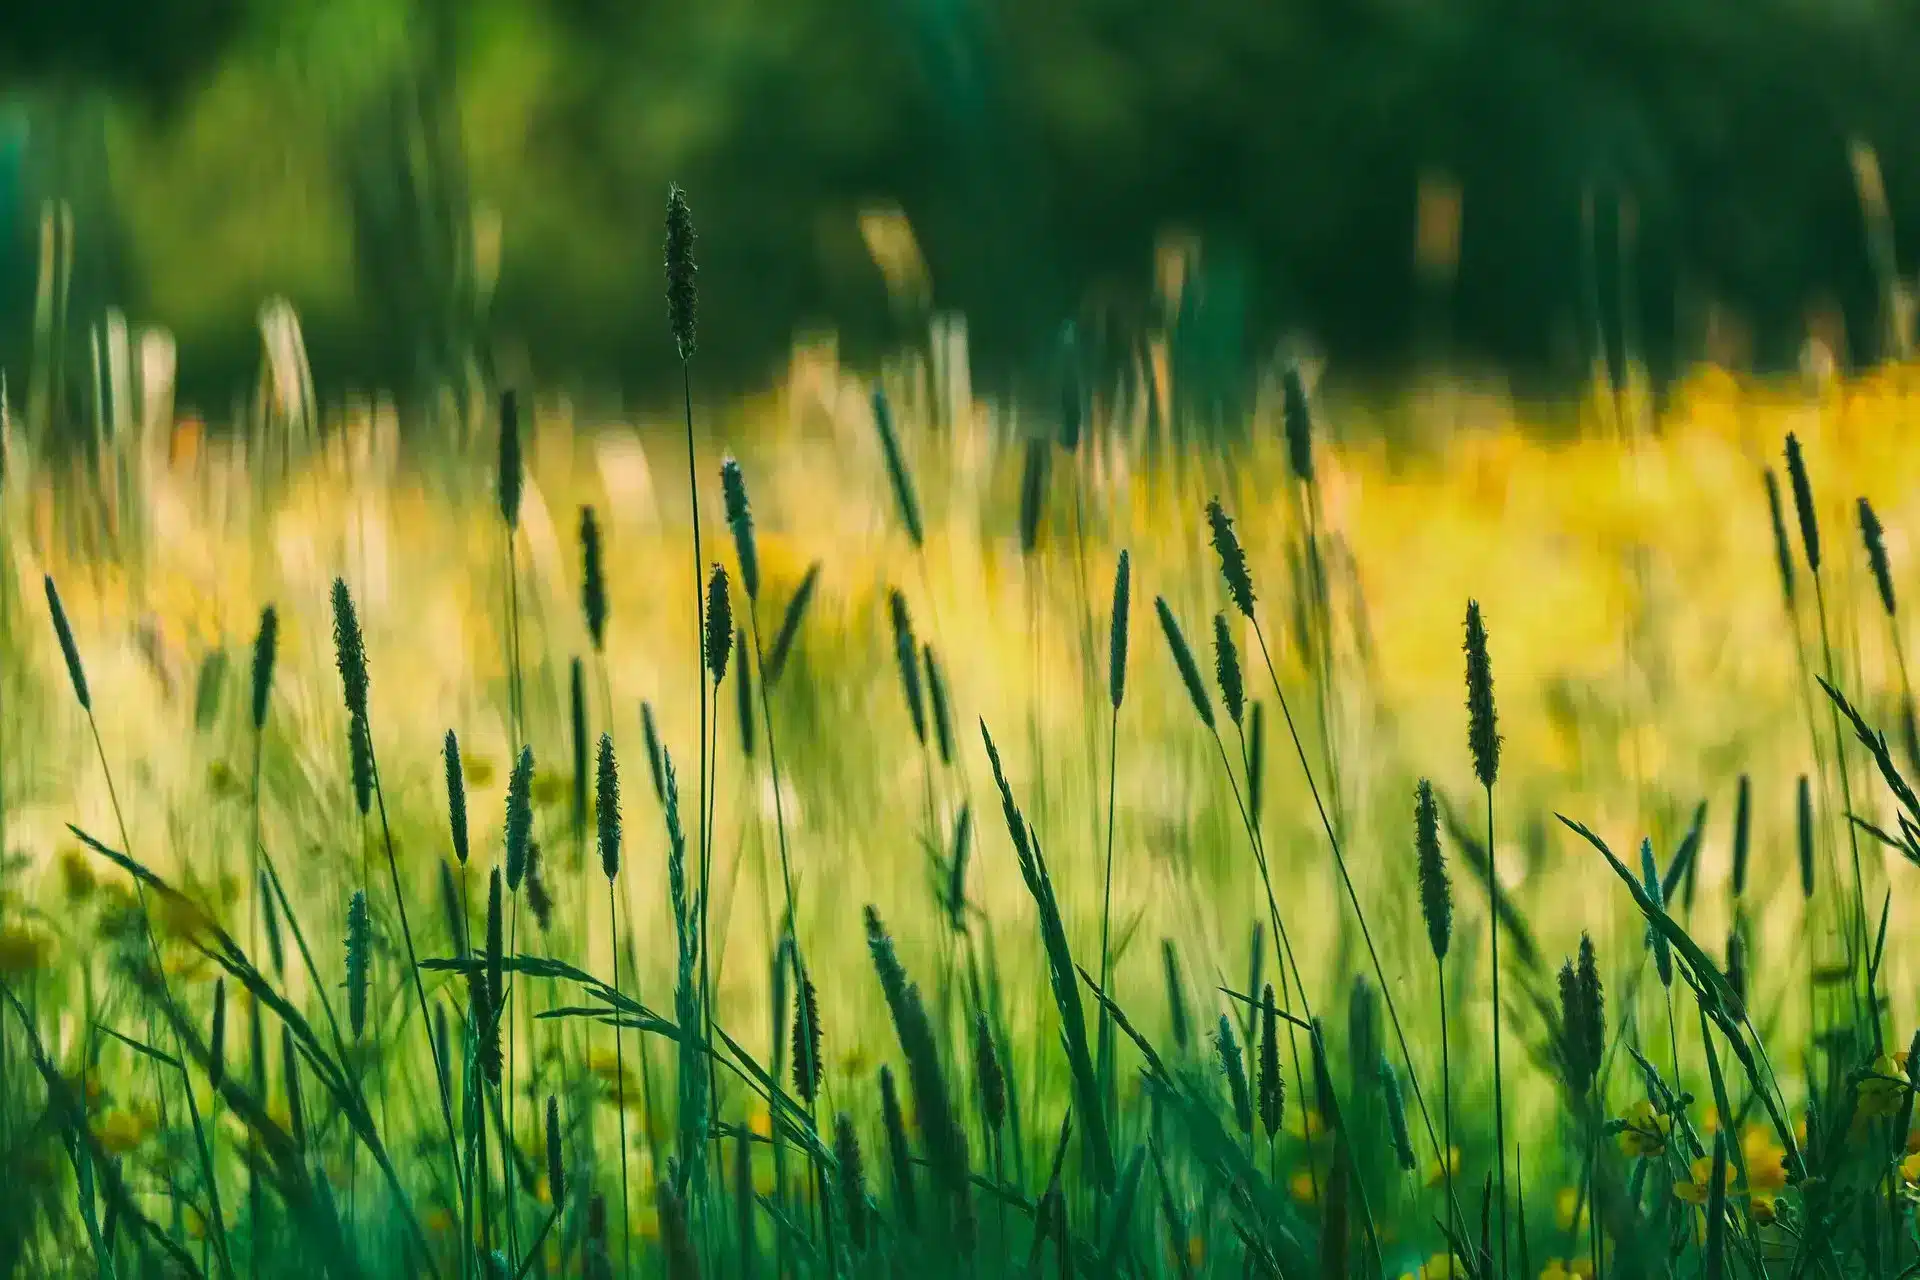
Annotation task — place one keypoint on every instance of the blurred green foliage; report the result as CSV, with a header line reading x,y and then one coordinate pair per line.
x,y
217,152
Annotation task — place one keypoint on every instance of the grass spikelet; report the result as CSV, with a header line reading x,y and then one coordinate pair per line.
x,y
1234,1068
789,633
897,475
806,1041
68,649
1233,559
1483,733
1226,670
937,702
512,477
1782,549
519,817
719,642
899,1150
359,951
1804,830
853,1179
1803,502
453,908
217,1036
956,895
906,654
276,949
683,299
556,1156
1436,893
1656,940
266,643
456,796
1033,492
1396,1116
1273,1085
939,1125
1183,659
539,898
1297,416
1876,541
650,730
496,949
1117,640
676,1233
577,724
1176,996
1256,761
360,760
1737,970
733,488
1742,833
349,650
988,1077
606,808
1590,1010
743,694
593,579
486,1025
290,1075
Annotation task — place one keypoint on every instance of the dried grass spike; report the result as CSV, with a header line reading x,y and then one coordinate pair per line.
x,y
1782,549
360,758
990,1079
790,622
1297,416
1273,1085
1033,493
937,701
806,1041
853,1179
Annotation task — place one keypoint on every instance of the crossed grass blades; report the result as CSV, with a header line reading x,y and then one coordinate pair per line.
x,y
427,1097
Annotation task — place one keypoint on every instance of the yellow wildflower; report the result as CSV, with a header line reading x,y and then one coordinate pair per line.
x,y
439,1221
1303,1187
1563,1269
1442,1266
1566,1202
121,1131
1910,1176
1765,1159
1699,1183
1643,1130
1196,1251
1882,1090
760,1122
1765,1207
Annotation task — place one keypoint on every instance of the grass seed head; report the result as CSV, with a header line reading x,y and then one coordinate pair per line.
x,y
1176,996
270,917
360,758
1117,641
937,702
853,1179
1436,893
217,1036
1226,670
1183,659
512,477
790,621
650,730
897,474
1033,493
1483,733
990,1079
719,644
1256,760
1876,539
907,657
899,1150
682,292
806,1041
577,723
1591,1009
606,808
593,579
1742,832
359,952
349,650
1234,1068
1233,558
1297,415
496,944
743,694
519,818
539,899
556,1156
1396,1116
1782,549
733,488
956,892
453,909
1803,502
1737,970
1804,830
68,649
676,1233
1273,1085
265,644
456,796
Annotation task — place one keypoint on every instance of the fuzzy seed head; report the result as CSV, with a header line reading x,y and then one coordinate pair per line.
x,y
1233,558
1226,670
1876,539
651,732
1436,892
1298,418
906,655
556,1155
719,644
897,474
743,693
359,953
1117,642
790,626
1183,659
456,796
349,650
360,759
1273,1085
606,808
1803,502
1396,1116
937,703
1662,952
1742,834
539,899
496,943
68,649
593,579
577,723
1483,733
806,1041
733,487
265,643
682,293
1782,549
1176,995
1591,1009
987,1073
899,1150
1234,1068
853,1181
512,477
519,818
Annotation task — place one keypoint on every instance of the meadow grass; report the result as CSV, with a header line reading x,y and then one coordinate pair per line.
x,y
899,996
